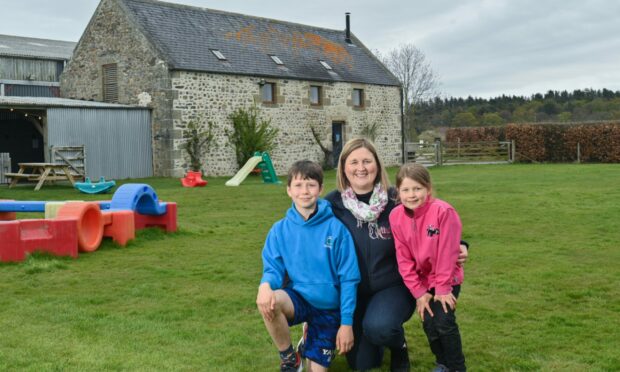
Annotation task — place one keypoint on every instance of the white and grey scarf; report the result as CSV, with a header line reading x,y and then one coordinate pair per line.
x,y
367,212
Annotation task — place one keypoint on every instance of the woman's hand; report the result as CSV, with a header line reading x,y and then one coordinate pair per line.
x,y
462,255
422,304
266,301
446,300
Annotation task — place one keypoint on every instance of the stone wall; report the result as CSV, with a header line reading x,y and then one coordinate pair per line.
x,y
208,97
111,38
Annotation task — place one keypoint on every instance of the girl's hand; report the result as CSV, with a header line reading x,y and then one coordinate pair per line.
x,y
266,301
447,299
422,304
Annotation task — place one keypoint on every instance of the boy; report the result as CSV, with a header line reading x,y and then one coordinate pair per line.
x,y
316,252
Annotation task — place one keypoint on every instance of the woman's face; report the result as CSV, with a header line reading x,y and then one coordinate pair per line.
x,y
360,168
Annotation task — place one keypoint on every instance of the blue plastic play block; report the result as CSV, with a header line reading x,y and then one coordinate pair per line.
x,y
22,206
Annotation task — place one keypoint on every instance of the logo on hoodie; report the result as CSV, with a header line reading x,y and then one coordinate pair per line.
x,y
432,230
329,242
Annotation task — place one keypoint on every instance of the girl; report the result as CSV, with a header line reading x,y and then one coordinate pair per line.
x,y
427,232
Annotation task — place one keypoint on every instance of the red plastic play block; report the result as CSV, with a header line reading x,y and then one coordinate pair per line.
x,y
119,225
193,179
58,237
166,221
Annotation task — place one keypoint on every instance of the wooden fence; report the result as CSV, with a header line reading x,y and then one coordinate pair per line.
x,y
446,153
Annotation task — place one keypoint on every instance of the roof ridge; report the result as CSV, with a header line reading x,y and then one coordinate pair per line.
x,y
186,6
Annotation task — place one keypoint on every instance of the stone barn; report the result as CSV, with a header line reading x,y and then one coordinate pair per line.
x,y
189,63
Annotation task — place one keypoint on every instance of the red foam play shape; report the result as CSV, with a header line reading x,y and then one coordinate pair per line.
x,y
166,221
58,237
89,223
119,225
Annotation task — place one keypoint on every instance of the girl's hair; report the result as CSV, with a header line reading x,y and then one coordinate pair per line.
x,y
341,178
416,172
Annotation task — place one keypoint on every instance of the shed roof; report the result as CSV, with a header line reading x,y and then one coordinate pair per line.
x,y
186,36
29,47
44,102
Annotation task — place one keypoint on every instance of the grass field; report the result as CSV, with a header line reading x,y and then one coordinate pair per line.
x,y
541,291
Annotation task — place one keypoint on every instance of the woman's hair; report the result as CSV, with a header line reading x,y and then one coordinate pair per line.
x,y
341,178
416,172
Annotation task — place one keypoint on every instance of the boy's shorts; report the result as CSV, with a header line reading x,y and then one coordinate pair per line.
x,y
323,327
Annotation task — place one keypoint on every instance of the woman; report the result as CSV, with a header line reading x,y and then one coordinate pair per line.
x,y
363,202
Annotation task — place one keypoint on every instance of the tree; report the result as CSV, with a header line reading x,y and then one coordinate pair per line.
x,y
418,81
197,143
464,119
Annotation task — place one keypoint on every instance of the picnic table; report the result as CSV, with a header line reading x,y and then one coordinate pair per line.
x,y
40,173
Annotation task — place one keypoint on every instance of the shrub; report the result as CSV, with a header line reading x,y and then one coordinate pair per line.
x,y
250,134
197,144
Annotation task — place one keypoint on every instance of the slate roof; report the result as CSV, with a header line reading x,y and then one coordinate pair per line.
x,y
18,46
185,36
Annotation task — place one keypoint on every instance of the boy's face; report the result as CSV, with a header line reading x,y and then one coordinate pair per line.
x,y
304,192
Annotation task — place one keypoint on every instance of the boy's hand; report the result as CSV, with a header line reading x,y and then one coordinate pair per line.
x,y
422,304
447,299
266,301
462,255
344,339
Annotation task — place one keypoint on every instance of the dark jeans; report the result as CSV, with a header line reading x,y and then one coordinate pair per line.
x,y
378,323
443,335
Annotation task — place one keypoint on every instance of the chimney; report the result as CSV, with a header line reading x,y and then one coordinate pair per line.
x,y
347,36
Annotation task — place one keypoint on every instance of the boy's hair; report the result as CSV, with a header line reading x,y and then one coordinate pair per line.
x,y
341,179
416,172
305,169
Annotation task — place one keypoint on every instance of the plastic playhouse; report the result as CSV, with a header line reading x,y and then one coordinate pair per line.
x,y
100,187
72,227
193,179
263,162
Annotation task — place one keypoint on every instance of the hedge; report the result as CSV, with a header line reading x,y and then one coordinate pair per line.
x,y
551,142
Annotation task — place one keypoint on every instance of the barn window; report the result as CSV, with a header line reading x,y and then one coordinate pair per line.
x,y
358,97
315,95
110,83
268,93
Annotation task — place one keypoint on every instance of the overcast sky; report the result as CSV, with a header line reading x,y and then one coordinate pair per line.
x,y
482,48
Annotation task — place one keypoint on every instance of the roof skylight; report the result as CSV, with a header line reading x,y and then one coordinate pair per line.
x,y
276,59
327,67
218,54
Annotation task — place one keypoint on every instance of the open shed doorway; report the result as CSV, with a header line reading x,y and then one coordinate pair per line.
x,y
21,135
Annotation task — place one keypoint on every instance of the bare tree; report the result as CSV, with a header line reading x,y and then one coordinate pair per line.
x,y
409,65
419,82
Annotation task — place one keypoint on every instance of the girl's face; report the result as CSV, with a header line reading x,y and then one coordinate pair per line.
x,y
361,169
412,194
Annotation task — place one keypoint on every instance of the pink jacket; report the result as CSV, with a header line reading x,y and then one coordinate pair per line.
x,y
427,246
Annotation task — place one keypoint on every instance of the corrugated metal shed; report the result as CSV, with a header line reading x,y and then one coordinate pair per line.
x,y
117,138
117,141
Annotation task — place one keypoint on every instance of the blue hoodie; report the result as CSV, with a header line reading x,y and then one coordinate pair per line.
x,y
319,257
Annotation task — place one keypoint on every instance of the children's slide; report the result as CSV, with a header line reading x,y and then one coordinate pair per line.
x,y
243,172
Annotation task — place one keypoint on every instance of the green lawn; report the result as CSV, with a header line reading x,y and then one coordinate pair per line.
x,y
541,287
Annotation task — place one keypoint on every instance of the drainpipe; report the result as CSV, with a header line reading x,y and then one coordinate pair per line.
x,y
402,124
